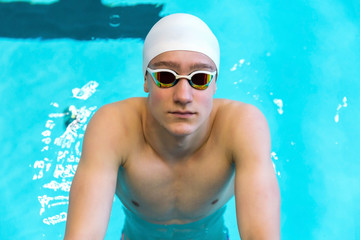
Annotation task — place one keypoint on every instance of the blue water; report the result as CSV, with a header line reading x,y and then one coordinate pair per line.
x,y
298,61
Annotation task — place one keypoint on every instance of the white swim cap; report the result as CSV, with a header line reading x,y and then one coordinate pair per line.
x,y
180,31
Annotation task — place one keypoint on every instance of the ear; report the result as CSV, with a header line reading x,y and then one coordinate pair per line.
x,y
146,84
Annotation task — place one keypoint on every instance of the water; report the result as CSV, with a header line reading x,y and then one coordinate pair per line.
x,y
298,62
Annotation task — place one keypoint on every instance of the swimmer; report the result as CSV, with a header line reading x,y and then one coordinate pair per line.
x,y
176,157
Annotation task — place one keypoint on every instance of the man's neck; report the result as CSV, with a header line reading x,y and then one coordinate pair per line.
x,y
173,147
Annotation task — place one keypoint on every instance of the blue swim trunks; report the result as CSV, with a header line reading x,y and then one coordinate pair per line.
x,y
209,228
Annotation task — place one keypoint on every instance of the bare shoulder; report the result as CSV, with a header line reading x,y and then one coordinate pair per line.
x,y
126,107
236,113
118,115
244,128
113,127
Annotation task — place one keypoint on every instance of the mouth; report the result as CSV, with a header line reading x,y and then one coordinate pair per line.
x,y
182,114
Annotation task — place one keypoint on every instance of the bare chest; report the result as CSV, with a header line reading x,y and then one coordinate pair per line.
x,y
184,190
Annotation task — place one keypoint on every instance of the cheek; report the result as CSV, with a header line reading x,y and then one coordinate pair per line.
x,y
156,98
155,95
206,102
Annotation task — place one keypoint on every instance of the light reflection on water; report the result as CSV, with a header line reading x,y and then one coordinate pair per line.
x,y
61,154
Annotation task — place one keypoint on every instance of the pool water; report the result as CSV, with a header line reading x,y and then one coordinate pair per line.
x,y
298,62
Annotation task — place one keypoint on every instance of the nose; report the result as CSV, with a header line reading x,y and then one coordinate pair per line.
x,y
183,92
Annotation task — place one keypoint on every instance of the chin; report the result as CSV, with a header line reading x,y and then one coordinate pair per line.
x,y
182,130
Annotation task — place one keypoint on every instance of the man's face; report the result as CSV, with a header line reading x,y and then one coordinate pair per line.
x,y
180,109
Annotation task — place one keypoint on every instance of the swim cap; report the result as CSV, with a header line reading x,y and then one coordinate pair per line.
x,y
180,31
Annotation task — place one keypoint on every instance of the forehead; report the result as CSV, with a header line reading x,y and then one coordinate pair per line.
x,y
181,59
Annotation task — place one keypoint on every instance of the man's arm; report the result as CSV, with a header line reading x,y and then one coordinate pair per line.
x,y
93,187
257,194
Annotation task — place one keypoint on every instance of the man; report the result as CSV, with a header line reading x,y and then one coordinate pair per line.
x,y
175,158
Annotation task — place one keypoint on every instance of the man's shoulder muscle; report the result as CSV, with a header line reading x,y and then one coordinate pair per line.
x,y
113,126
238,114
119,115
241,124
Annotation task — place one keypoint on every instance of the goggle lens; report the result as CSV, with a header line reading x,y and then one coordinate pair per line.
x,y
201,79
166,78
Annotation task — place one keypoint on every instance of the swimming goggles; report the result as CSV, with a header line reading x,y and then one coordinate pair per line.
x,y
165,78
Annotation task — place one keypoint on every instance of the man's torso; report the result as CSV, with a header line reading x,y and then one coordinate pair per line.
x,y
175,192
